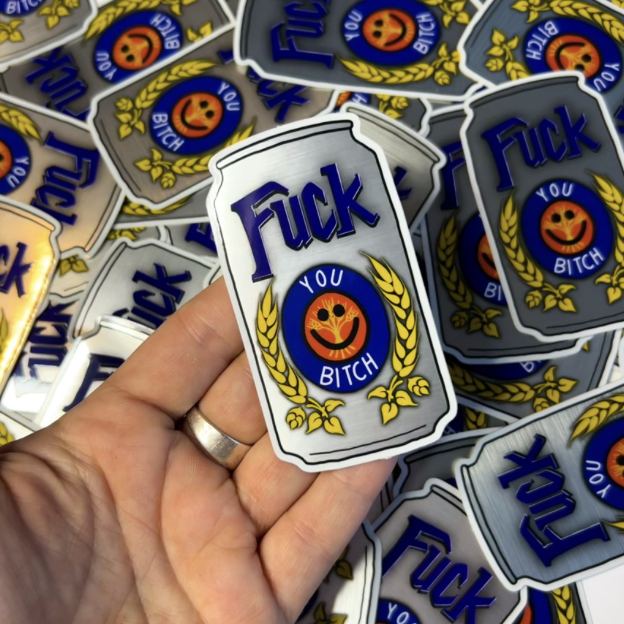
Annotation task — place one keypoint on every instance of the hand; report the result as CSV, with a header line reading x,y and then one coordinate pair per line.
x,y
111,515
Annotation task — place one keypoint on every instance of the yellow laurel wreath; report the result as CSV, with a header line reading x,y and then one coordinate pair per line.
x,y
320,616
58,10
132,110
564,604
597,415
442,68
134,209
5,435
393,107
405,355
19,121
204,31
168,171
74,264
10,31
526,270
543,395
456,288
475,420
131,233
112,12
504,57
612,197
574,8
293,387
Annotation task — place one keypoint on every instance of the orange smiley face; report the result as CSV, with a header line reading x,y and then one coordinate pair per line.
x,y
6,159
573,53
390,30
615,463
485,258
567,228
137,48
197,115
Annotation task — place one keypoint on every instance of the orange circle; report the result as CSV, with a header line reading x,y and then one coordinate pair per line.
x,y
390,30
6,159
335,327
485,258
571,52
137,48
615,462
567,228
197,115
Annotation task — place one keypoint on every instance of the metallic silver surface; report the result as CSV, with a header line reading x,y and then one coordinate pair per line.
x,y
220,447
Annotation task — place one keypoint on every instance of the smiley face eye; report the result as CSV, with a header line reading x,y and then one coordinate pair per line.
x,y
339,310
556,218
203,104
379,23
569,215
376,34
210,114
323,315
586,58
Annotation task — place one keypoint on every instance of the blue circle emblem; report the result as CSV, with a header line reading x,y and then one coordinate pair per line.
x,y
336,328
603,464
477,262
135,43
15,9
196,115
397,33
518,370
395,613
567,229
574,45
14,160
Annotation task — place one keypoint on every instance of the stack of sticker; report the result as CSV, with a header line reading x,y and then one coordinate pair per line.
x,y
355,147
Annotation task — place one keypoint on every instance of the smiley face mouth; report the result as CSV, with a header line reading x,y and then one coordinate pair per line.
x,y
401,35
488,261
149,45
345,344
569,243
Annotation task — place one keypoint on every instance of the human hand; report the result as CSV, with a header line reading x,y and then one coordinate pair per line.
x,y
112,515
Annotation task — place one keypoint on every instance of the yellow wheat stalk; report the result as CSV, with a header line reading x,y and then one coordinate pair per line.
x,y
475,420
20,122
114,11
597,415
564,603
507,392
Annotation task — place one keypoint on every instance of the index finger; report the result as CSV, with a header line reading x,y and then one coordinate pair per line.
x,y
177,364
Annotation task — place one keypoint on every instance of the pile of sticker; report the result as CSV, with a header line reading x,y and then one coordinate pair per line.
x,y
321,154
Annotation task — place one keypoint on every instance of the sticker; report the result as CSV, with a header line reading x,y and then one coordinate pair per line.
x,y
122,40
142,282
433,570
412,112
28,257
469,419
51,162
561,606
415,162
14,428
32,27
364,377
467,297
566,529
403,47
384,498
41,358
512,391
348,594
160,130
91,360
546,167
509,41
196,239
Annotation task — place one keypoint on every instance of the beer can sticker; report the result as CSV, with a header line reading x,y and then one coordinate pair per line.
x,y
412,112
122,40
32,27
41,358
12,428
517,390
142,282
433,569
415,162
551,211
509,40
403,47
348,594
28,257
467,297
196,239
545,495
51,162
160,130
188,210
91,360
338,334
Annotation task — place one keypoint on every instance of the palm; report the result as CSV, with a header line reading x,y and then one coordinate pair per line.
x,y
120,518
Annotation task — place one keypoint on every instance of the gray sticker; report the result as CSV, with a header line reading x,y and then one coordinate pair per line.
x,y
324,299
546,167
194,238
160,130
402,47
123,40
570,525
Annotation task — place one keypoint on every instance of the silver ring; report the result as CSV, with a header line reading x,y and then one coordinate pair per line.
x,y
217,445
